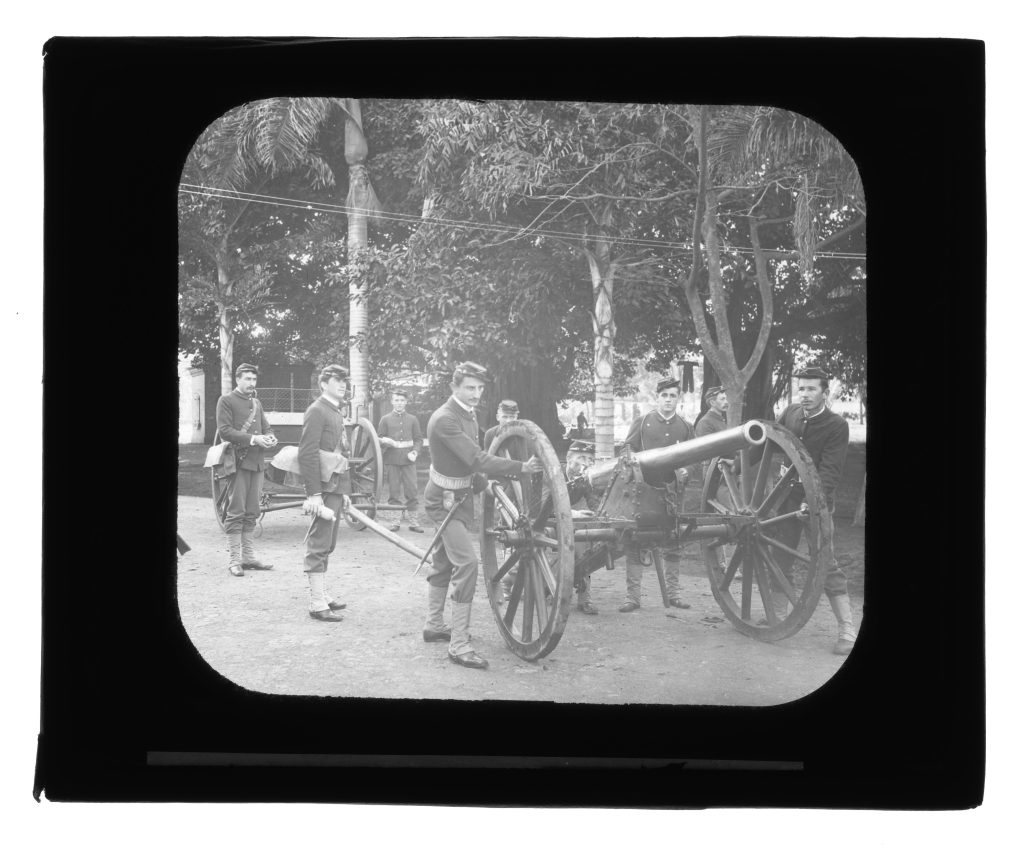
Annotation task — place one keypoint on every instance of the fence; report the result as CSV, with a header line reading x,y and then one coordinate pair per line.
x,y
286,399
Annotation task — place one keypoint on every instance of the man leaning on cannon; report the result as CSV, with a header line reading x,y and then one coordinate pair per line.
x,y
826,436
323,452
457,462
240,422
661,427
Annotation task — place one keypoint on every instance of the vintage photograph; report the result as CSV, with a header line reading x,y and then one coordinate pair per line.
x,y
558,401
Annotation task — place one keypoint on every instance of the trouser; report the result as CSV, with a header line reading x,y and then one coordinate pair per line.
x,y
788,533
244,502
635,569
402,487
455,564
323,535
583,591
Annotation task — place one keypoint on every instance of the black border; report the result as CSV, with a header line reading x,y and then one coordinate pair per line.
x,y
900,726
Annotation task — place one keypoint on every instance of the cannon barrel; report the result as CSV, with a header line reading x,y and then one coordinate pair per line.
x,y
723,443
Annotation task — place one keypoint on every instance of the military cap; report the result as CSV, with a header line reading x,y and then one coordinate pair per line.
x,y
711,392
401,392
812,372
246,367
333,371
508,406
469,369
667,384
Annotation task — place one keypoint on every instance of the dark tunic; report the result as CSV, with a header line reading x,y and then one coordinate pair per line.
x,y
233,410
826,438
517,447
710,423
402,428
651,431
323,427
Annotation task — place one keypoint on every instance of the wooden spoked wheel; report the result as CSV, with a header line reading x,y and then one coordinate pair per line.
x,y
221,489
769,577
365,468
526,534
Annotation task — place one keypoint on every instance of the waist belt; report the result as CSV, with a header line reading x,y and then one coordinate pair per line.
x,y
449,483
404,444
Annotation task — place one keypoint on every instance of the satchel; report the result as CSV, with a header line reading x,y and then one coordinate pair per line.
x,y
287,459
222,454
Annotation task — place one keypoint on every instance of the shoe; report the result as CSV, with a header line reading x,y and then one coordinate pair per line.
x,y
842,647
469,659
337,606
416,529
430,636
394,527
586,608
236,570
678,603
326,616
628,606
257,565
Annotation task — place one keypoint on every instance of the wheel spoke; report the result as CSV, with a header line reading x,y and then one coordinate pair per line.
x,y
545,570
514,597
543,512
730,570
762,474
718,506
510,562
529,602
764,587
777,574
800,556
775,520
540,598
779,492
747,586
730,482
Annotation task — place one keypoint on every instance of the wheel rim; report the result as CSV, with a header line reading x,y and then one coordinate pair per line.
x,y
532,622
769,579
221,490
366,468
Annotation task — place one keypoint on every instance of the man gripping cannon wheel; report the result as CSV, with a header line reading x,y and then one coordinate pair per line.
x,y
456,464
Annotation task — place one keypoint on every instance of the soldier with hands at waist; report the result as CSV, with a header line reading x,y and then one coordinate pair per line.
x,y
323,431
458,468
241,422
660,427
400,434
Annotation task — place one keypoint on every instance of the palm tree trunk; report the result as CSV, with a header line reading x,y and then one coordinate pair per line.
x,y
359,201
224,329
602,278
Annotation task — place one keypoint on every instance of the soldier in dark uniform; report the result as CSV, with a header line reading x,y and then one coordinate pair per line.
x,y
240,421
826,436
323,430
456,463
400,433
713,419
661,427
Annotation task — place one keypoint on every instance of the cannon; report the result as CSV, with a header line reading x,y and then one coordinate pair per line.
x,y
762,524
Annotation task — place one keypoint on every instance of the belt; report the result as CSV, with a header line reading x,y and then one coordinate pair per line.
x,y
449,483
404,444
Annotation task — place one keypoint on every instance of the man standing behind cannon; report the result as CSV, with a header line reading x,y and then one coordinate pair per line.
x,y
240,421
713,419
327,488
399,433
826,436
661,427
456,463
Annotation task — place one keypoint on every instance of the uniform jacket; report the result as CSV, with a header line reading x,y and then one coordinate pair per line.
x,y
826,438
710,423
403,428
233,410
650,431
323,427
454,439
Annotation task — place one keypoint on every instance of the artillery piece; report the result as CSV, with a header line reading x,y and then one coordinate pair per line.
x,y
765,562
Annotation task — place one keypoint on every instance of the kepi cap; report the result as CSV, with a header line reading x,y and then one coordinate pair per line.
x,y
469,369
711,392
508,406
246,367
812,372
667,384
333,371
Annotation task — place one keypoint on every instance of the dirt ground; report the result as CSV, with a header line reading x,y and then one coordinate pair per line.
x,y
256,631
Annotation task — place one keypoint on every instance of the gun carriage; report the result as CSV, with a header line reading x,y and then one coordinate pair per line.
x,y
764,529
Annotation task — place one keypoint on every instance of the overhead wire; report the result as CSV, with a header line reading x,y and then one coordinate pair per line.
x,y
466,224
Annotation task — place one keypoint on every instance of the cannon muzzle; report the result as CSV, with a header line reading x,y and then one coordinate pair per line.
x,y
722,444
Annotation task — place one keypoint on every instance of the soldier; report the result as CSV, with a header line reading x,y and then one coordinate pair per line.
x,y
826,436
400,433
323,430
456,463
508,411
660,427
240,421
713,419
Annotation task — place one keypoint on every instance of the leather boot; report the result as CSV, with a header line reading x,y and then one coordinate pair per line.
x,y
235,553
435,629
460,650
319,609
634,576
844,617
249,559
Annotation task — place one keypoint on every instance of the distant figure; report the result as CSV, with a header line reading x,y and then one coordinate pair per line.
x,y
581,422
713,419
400,434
